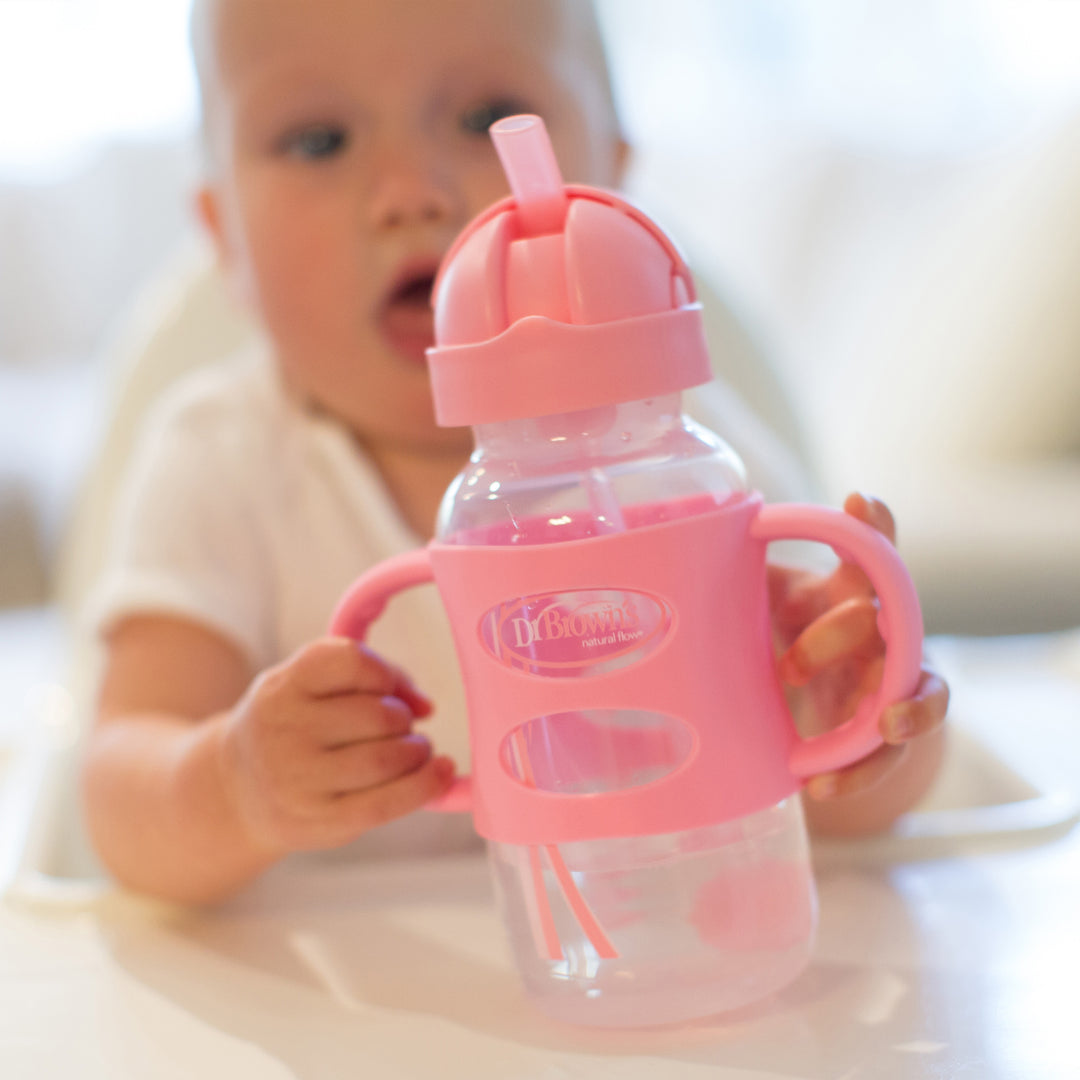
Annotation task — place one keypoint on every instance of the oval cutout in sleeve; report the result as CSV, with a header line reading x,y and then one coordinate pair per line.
x,y
587,752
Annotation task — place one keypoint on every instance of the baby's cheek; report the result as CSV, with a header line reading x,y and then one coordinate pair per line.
x,y
303,301
296,261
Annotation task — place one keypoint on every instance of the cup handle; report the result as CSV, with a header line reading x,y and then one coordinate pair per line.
x,y
364,602
899,622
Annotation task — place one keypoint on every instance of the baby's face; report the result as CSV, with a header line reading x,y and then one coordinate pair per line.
x,y
349,147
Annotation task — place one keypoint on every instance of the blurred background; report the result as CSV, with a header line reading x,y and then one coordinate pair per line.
x,y
887,192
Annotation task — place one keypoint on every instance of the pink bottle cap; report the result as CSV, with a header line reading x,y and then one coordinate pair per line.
x,y
559,298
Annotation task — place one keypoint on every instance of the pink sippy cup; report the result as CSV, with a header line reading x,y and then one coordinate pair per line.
x,y
636,770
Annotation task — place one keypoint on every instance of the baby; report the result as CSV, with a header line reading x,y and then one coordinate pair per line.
x,y
346,147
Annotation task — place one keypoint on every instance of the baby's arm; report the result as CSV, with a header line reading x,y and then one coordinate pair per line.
x,y
197,778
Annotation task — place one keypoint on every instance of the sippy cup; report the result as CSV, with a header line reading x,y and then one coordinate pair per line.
x,y
636,770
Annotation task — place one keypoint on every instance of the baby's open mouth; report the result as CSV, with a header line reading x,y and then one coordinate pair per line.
x,y
414,291
406,319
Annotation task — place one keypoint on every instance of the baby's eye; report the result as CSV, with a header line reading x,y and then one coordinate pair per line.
x,y
480,117
316,141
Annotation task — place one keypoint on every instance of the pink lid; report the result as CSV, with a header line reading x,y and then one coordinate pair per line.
x,y
559,298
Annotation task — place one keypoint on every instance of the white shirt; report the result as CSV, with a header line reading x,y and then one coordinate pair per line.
x,y
251,515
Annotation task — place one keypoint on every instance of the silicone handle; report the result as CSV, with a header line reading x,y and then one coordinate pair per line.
x,y
364,602
899,621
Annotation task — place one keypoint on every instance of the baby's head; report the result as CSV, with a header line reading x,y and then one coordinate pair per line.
x,y
347,147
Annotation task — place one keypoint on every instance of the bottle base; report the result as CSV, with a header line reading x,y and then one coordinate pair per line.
x,y
670,1004
663,929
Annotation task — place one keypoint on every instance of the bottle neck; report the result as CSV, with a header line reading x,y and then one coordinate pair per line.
x,y
587,436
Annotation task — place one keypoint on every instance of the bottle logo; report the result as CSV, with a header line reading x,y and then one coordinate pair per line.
x,y
575,633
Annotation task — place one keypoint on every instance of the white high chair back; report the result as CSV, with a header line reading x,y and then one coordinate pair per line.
x,y
181,322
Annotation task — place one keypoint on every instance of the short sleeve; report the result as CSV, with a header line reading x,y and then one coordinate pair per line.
x,y
186,540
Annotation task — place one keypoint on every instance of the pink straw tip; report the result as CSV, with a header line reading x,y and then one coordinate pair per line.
x,y
528,160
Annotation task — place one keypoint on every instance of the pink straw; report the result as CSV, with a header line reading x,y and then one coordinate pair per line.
x,y
576,902
530,165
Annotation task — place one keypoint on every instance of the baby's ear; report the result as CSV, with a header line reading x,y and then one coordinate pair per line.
x,y
208,209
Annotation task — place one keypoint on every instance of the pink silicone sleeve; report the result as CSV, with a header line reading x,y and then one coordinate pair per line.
x,y
899,621
363,603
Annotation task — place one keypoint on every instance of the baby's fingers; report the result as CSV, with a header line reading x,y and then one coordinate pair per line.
x,y
359,811
364,765
335,665
849,578
924,711
862,775
334,722
849,629
872,512
798,597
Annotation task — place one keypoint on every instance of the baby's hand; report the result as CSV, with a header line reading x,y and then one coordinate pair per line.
x,y
827,631
321,749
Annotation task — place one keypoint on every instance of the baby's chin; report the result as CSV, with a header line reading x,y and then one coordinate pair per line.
x,y
409,344
400,418
413,436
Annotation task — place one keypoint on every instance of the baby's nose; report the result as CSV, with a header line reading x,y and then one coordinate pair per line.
x,y
410,189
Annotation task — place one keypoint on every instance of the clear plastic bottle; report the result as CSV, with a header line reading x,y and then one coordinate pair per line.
x,y
703,920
